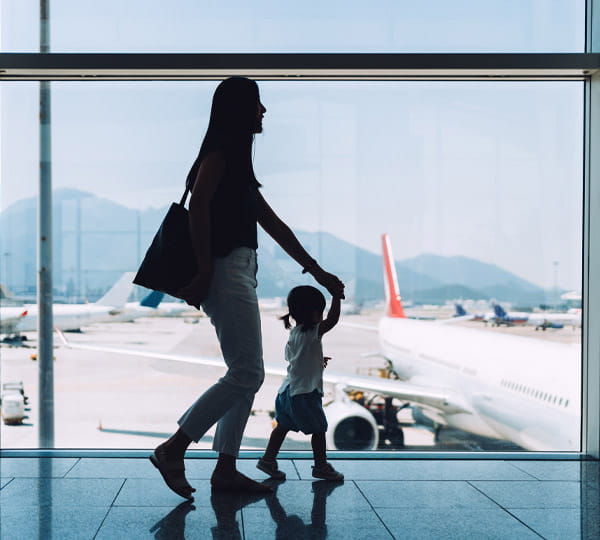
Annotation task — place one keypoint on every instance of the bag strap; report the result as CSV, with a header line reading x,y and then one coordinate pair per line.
x,y
184,196
191,177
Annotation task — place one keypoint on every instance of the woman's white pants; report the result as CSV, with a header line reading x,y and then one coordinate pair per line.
x,y
233,310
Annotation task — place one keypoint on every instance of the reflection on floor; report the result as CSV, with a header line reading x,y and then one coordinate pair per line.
x,y
113,498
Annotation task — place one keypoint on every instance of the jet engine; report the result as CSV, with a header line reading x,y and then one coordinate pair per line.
x,y
351,426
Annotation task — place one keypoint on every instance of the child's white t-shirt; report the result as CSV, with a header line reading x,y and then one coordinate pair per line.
x,y
304,354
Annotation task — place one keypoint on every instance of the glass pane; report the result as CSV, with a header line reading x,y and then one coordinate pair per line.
x,y
478,184
274,27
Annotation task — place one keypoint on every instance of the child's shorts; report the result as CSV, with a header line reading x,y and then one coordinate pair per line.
x,y
302,412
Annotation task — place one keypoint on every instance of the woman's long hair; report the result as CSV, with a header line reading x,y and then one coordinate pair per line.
x,y
231,127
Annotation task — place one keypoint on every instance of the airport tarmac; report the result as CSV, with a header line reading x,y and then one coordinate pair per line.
x,y
109,400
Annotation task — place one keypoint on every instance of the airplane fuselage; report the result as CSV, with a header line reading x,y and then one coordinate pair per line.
x,y
519,389
69,316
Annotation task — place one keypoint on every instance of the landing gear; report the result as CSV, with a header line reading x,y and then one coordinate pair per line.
x,y
391,435
15,340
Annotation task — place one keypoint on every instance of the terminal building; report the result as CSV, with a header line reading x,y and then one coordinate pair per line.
x,y
439,159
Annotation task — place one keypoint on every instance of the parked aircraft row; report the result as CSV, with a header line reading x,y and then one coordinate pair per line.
x,y
539,320
518,389
112,307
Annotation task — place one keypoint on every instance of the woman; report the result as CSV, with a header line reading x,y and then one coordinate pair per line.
x,y
225,207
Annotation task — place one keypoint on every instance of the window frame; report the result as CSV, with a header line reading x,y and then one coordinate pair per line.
x,y
499,67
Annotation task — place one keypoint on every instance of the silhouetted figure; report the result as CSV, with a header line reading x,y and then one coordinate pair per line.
x,y
226,507
172,526
290,526
225,207
299,403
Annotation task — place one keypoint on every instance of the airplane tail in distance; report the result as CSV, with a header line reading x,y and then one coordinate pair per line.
x,y
392,291
119,292
460,311
499,311
152,300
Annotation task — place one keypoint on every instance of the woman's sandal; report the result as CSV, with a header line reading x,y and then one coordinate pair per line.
x,y
173,473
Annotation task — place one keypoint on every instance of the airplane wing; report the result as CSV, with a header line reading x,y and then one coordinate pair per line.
x,y
441,399
215,361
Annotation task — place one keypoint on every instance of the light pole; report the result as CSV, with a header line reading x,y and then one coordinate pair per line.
x,y
44,299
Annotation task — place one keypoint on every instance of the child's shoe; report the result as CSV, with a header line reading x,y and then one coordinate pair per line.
x,y
327,472
270,468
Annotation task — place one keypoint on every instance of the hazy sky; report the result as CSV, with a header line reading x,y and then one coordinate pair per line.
x,y
487,170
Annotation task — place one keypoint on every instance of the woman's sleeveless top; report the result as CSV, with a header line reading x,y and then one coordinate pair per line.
x,y
233,214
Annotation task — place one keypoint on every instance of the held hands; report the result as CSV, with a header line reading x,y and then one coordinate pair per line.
x,y
331,282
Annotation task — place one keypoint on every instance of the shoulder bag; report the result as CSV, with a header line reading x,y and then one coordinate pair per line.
x,y
170,263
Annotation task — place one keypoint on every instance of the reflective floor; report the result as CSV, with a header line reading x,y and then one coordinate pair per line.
x,y
112,498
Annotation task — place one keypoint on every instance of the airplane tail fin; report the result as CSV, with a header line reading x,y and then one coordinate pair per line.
x,y
392,291
499,311
152,300
119,292
460,311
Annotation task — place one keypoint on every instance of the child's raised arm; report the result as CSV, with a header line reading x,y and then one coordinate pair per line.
x,y
333,316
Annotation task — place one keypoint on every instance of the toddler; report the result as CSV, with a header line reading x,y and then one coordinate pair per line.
x,y
299,405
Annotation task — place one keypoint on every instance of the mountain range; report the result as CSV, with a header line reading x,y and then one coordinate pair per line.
x,y
96,240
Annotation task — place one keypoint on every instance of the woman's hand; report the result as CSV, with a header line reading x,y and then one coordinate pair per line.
x,y
331,282
196,291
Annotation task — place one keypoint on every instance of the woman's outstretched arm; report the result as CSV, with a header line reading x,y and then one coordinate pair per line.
x,y
284,236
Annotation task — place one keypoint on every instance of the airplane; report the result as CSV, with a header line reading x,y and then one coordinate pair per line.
x,y
462,312
497,317
152,306
10,318
147,307
513,388
540,320
175,309
546,319
512,318
70,317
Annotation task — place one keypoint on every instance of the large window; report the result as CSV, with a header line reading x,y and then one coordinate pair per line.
x,y
478,184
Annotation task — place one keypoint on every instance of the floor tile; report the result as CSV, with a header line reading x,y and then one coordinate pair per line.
x,y
64,522
113,468
552,524
590,497
286,523
80,492
154,492
453,523
574,471
532,494
420,470
35,467
4,482
447,494
185,521
304,497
